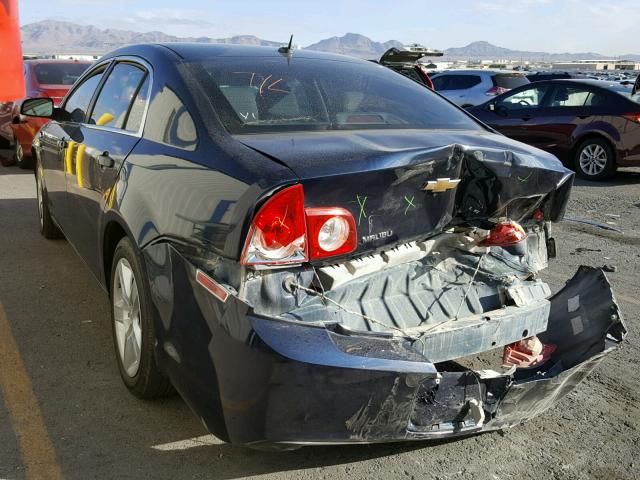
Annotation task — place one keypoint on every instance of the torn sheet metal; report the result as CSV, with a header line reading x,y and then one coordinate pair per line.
x,y
379,405
475,179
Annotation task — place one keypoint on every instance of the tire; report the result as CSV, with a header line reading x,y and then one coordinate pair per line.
x,y
48,228
132,326
19,158
594,159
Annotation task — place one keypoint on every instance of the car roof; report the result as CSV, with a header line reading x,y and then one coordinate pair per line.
x,y
586,81
37,61
476,72
200,51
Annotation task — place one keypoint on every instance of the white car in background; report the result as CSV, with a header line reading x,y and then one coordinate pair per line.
x,y
468,88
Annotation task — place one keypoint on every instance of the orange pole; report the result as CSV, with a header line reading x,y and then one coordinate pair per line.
x,y
11,75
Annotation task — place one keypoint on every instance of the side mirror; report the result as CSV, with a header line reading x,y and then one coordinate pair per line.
x,y
37,107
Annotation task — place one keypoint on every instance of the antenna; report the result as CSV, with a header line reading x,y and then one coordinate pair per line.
x,y
288,49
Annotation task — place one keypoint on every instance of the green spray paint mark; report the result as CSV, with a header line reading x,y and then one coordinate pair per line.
x,y
409,204
523,180
361,201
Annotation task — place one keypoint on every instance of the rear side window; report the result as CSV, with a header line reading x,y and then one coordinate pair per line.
x,y
456,82
136,111
58,73
509,80
113,102
78,102
170,122
576,97
253,95
625,92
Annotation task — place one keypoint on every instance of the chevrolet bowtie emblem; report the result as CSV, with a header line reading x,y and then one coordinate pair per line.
x,y
440,185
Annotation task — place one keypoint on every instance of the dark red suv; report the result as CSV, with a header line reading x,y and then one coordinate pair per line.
x,y
43,78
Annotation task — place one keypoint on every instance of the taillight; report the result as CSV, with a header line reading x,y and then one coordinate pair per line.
x,y
538,216
284,232
424,74
504,235
632,117
331,231
278,232
493,91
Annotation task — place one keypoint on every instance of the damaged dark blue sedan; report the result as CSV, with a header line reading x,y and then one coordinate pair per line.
x,y
314,249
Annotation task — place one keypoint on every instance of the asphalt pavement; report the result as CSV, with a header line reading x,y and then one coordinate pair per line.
x,y
64,412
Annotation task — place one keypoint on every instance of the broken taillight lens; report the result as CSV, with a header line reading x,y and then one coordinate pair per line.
x,y
504,234
284,232
527,352
331,231
278,231
538,216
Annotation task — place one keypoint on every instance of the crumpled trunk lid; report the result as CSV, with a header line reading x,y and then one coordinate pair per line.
x,y
403,185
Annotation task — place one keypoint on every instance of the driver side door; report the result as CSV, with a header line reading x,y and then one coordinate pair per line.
x,y
57,141
516,114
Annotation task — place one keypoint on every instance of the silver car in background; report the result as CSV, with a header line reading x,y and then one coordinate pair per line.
x,y
468,88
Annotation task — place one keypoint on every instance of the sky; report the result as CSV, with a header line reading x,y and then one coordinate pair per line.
x,y
609,27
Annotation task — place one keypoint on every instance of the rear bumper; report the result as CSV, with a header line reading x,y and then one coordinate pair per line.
x,y
323,399
255,380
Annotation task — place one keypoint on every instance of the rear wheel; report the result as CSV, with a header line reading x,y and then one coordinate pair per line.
x,y
48,228
19,157
594,160
133,331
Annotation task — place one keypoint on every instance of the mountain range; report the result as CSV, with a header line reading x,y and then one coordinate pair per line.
x,y
52,36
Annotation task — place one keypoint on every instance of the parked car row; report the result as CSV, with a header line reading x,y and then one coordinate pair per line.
x,y
43,78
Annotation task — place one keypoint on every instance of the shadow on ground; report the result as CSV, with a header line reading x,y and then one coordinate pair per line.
x,y
621,177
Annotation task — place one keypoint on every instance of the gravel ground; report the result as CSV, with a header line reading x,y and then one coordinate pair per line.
x,y
59,318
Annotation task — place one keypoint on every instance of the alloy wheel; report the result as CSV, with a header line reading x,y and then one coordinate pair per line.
x,y
593,159
19,153
126,317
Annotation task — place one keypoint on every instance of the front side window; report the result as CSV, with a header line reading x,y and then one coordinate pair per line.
x,y
78,102
253,95
112,105
524,99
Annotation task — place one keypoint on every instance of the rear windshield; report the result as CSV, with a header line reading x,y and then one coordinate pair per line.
x,y
509,80
256,95
456,81
59,73
625,91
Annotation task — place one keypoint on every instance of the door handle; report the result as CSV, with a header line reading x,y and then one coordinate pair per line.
x,y
105,161
527,117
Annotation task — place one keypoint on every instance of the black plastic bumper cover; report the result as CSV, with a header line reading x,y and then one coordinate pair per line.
x,y
253,379
338,397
